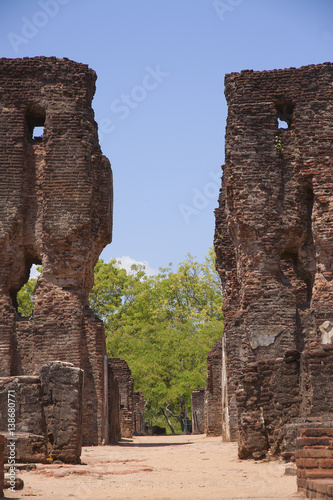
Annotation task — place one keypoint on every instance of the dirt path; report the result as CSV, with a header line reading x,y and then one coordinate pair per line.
x,y
160,468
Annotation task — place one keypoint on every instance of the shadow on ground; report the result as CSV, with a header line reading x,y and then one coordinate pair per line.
x,y
130,442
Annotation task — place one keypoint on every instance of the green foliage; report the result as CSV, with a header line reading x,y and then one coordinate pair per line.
x,y
163,326
25,295
278,143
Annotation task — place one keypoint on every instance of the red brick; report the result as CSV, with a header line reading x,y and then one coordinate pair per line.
x,y
326,463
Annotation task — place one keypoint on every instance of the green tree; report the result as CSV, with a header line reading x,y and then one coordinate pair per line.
x,y
25,295
163,326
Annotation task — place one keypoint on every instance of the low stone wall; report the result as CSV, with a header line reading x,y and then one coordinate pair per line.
x,y
314,461
46,413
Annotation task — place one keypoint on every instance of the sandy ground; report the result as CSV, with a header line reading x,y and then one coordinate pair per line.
x,y
160,468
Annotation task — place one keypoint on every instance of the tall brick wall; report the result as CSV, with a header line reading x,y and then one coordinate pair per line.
x,y
274,243
55,210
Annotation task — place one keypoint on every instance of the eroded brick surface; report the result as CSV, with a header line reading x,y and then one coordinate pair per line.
x,y
274,243
55,210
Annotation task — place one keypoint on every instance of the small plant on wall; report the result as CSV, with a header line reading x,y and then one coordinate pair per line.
x,y
278,143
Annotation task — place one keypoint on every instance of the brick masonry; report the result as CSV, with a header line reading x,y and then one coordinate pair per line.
x,y
314,461
122,373
55,210
273,244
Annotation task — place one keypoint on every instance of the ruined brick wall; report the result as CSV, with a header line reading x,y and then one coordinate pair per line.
x,y
122,373
274,237
114,406
55,210
213,393
138,413
198,411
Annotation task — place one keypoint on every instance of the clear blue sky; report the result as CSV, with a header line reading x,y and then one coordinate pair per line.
x,y
159,101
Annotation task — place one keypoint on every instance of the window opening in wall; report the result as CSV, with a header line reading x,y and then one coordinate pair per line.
x,y
282,124
284,112
35,120
37,133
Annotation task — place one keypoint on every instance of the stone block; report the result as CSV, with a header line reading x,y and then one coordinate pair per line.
x,y
28,448
62,403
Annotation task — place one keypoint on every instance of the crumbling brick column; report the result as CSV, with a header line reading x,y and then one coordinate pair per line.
x,y
55,211
274,234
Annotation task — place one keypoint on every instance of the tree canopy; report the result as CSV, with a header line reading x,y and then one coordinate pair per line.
x,y
163,326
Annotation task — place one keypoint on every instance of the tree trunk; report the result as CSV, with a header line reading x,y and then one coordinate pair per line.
x,y
168,420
